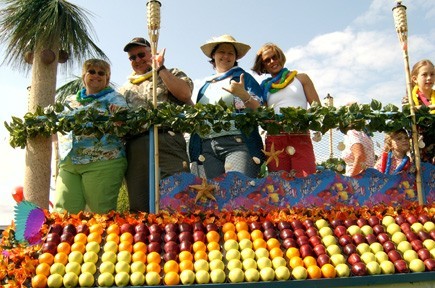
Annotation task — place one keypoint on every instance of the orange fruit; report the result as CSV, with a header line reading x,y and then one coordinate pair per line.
x,y
113,228
213,246
272,243
256,234
98,228
43,268
200,255
328,271
140,246
126,236
78,246
154,267
81,237
243,234
125,246
295,262
139,256
230,235
112,237
61,257
46,258
314,272
292,252
241,226
154,257
185,265
185,255
94,237
39,281
309,261
259,243
228,226
213,236
64,247
275,252
171,266
171,278
199,246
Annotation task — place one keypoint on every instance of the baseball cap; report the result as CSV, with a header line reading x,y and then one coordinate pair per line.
x,y
137,41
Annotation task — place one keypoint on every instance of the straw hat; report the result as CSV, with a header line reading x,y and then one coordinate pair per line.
x,y
241,48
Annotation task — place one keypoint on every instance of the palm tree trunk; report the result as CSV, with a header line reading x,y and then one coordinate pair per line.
x,y
37,174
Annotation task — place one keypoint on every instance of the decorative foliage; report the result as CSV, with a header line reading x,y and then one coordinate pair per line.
x,y
202,119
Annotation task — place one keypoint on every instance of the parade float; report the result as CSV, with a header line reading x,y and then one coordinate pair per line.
x,y
323,230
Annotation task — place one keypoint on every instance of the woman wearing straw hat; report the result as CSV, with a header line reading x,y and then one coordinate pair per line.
x,y
228,150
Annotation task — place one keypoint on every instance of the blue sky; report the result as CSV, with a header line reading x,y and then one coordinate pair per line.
x,y
350,49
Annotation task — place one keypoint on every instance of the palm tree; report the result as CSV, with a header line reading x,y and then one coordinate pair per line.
x,y
44,31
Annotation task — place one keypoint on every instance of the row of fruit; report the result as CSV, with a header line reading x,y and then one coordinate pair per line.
x,y
137,253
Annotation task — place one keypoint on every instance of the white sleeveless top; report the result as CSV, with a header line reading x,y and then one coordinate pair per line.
x,y
291,96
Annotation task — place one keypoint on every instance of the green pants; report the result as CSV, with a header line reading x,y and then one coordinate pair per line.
x,y
95,184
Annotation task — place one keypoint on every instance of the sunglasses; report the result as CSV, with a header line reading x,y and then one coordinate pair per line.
x,y
100,73
140,55
269,59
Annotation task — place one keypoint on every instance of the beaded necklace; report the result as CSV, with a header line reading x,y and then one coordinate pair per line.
x,y
84,99
280,81
137,79
388,157
418,95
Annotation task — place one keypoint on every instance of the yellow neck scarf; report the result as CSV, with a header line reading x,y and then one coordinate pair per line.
x,y
417,101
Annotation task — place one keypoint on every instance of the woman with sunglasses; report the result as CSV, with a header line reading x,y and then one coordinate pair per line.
x,y
92,167
286,88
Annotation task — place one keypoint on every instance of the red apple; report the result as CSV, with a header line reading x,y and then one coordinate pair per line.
x,y
323,259
141,227
401,266
344,240
349,249
340,230
423,254
423,218
411,219
417,244
155,237
319,249
127,227
373,221
306,250
361,222
297,224
186,236
171,246
432,234
314,240
371,238
267,225
56,228
170,236
405,227
53,237
378,229
358,239
69,228
337,222
67,237
49,247
289,242
394,255
284,225
383,237
349,222
286,233
270,233
154,247
140,237
255,226
211,227
359,269
299,232
423,235
410,236
171,227
308,223
388,246
430,264
353,259
302,240
82,228
311,231
186,246
400,219
198,226
170,256
155,228
199,235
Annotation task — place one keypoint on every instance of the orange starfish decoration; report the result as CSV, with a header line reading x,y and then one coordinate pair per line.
x,y
272,154
204,190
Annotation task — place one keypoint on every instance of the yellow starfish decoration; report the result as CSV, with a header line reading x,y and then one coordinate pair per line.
x,y
204,190
272,154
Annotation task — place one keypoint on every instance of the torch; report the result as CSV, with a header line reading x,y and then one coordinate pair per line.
x,y
153,15
400,21
330,103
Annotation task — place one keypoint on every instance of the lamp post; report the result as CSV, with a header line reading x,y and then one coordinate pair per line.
x,y
400,21
330,103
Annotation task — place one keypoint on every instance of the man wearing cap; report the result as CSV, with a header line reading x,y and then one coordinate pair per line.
x,y
173,86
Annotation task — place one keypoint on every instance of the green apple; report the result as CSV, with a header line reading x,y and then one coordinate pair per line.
x,y
282,273
234,263
236,275
124,256
122,266
410,255
252,274
245,243
109,256
70,279
342,270
231,244
376,247
138,278
362,248
187,277
214,254
329,240
417,227
398,237
325,231
107,267
429,244
75,256
90,256
267,274
202,277
320,223
393,228
201,264
333,249
73,267
417,265
138,266
278,262
152,278
247,253
217,276
387,267
261,252
217,264
122,279
263,263
387,220
57,268
366,230
373,268
89,267
249,263
106,279
55,281
232,254
429,226
110,246
337,259
354,229
86,279
299,273
367,257
93,246
381,256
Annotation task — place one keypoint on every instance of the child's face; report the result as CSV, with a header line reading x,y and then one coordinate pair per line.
x,y
425,77
400,143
